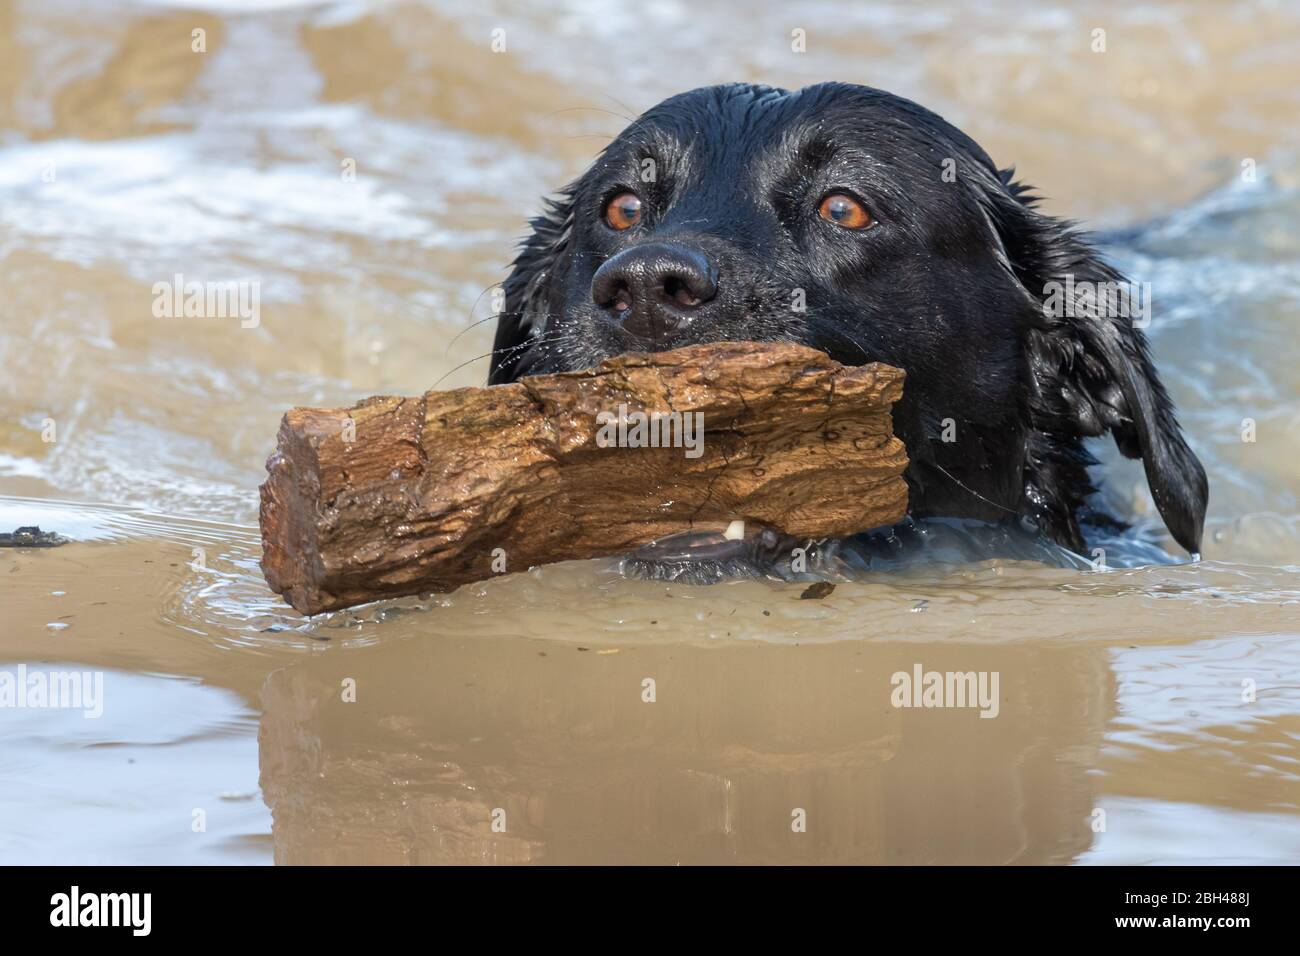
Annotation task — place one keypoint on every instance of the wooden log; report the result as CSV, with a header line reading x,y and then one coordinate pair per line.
x,y
400,496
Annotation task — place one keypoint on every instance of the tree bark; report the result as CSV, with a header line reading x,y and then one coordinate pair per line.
x,y
400,496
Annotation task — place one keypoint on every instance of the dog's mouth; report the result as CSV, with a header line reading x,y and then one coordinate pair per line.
x,y
740,545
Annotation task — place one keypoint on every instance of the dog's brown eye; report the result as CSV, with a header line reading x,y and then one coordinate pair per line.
x,y
623,211
844,210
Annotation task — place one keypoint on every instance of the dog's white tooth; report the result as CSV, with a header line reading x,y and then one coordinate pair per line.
x,y
735,531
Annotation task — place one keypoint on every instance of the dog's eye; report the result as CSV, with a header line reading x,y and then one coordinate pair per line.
x,y
623,211
844,210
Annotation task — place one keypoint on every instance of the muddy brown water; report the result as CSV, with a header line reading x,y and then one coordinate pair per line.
x,y
1145,713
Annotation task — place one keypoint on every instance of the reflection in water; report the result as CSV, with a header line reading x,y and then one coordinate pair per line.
x,y
446,732
126,157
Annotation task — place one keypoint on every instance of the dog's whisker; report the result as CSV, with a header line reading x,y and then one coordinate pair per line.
x,y
829,326
588,109
958,483
473,325
532,343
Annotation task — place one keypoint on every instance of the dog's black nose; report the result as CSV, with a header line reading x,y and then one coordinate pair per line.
x,y
653,288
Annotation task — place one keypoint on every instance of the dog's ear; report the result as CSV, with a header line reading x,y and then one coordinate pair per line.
x,y
521,326
1089,362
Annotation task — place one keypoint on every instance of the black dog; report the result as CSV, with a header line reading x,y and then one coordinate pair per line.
x,y
861,224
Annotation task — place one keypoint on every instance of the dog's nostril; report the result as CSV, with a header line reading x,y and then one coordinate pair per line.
x,y
679,291
622,299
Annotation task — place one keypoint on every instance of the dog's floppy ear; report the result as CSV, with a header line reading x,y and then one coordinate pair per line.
x,y
1089,362
522,322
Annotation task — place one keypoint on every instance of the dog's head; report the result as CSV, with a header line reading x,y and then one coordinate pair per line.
x,y
861,224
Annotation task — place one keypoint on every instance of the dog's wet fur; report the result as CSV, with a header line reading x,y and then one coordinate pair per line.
x,y
948,283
